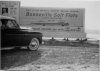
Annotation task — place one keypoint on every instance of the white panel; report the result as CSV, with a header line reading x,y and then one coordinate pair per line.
x,y
10,8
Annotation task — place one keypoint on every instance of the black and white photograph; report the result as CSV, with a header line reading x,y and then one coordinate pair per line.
x,y
4,11
50,35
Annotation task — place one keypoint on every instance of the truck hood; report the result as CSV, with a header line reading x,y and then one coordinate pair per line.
x,y
27,28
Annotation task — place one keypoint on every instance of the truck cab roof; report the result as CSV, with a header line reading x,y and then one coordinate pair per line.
x,y
6,17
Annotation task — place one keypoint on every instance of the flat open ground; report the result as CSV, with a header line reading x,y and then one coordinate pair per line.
x,y
53,56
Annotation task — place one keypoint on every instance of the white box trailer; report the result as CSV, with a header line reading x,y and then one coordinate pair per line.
x,y
52,22
55,22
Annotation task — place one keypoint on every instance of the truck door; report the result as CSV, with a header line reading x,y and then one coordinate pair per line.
x,y
8,36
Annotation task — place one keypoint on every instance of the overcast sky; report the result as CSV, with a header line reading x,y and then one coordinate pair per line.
x,y
92,9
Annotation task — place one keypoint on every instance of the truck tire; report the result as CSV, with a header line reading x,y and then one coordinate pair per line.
x,y
34,44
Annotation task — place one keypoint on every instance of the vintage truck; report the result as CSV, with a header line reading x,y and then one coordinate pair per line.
x,y
13,36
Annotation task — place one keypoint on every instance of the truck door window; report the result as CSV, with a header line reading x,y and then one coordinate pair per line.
x,y
10,24
7,24
3,23
15,24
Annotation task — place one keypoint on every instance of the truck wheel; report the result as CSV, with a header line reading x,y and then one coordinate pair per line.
x,y
34,44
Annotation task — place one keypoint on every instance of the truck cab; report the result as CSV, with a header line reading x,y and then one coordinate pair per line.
x,y
13,36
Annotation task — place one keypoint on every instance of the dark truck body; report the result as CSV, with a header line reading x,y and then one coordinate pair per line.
x,y
17,36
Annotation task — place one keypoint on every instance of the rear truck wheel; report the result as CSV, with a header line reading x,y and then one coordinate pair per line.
x,y
34,44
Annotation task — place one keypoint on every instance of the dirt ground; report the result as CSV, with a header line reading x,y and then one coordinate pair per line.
x,y
56,57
